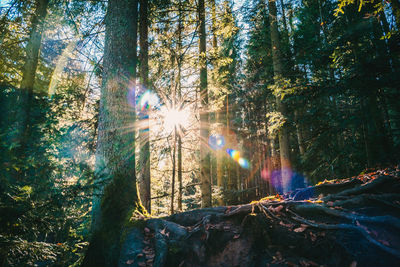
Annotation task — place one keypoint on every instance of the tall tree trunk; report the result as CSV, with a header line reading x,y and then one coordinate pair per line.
x,y
179,86
33,46
204,120
299,132
180,173
396,11
115,153
172,209
144,133
218,115
29,70
278,71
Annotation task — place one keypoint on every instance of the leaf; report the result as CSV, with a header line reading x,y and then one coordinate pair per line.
x,y
384,242
278,209
163,231
236,236
353,264
301,228
313,237
129,262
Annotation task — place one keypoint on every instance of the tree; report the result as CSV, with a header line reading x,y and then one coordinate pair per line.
x,y
281,107
204,118
115,154
144,157
29,70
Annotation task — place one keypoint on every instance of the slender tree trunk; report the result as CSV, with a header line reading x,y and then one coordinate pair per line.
x,y
115,153
396,11
29,71
144,132
278,71
179,86
299,132
204,120
180,173
219,153
33,46
172,209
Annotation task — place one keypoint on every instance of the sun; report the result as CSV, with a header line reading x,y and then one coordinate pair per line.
x,y
175,117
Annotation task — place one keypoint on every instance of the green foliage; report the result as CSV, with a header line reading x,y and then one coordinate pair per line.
x,y
44,193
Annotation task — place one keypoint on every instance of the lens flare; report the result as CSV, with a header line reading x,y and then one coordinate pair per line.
x,y
244,163
216,141
235,155
147,101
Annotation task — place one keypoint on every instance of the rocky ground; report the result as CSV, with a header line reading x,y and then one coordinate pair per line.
x,y
349,222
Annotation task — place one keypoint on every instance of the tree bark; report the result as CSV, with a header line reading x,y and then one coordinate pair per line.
x,y
396,11
172,209
218,115
281,107
204,120
299,132
179,86
33,46
28,72
144,133
115,153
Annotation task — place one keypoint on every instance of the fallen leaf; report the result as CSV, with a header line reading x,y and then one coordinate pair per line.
x,y
384,242
228,209
353,264
301,228
236,236
164,232
129,262
203,237
286,225
146,230
278,209
313,237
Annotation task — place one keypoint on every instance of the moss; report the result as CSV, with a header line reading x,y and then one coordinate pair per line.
x,y
173,249
120,201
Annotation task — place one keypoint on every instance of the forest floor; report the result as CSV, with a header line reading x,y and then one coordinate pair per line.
x,y
349,222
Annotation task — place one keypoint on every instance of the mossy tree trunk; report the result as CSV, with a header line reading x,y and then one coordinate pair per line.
x,y
115,154
144,133
29,71
281,107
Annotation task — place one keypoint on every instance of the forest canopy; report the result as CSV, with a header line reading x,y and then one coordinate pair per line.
x,y
118,110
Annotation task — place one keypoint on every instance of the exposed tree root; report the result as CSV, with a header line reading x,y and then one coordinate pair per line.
x,y
356,225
